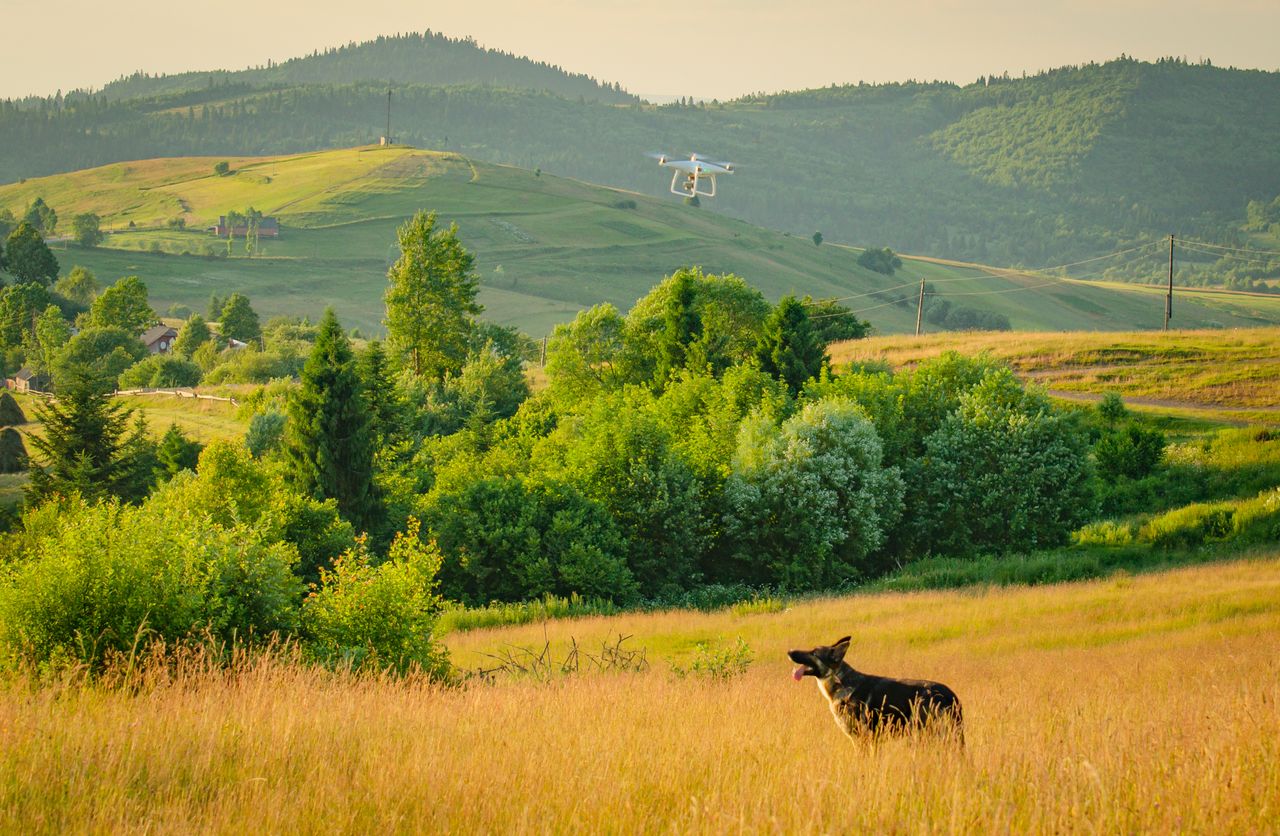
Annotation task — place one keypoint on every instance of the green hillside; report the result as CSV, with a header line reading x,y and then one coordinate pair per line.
x,y
1052,168
547,246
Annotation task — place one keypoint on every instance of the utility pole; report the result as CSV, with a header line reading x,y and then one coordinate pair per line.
x,y
1168,299
920,306
388,133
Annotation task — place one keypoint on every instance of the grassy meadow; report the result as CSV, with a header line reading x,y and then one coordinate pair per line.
x,y
1131,704
546,246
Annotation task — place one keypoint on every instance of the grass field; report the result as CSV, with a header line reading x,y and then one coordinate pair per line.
x,y
546,246
1229,376
1132,704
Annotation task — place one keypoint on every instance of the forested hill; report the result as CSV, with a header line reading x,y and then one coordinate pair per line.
x,y
1047,169
426,58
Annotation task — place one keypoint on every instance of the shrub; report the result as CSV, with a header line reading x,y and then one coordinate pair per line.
x,y
265,433
809,503
378,617
1133,452
1104,533
718,664
1189,527
98,581
1111,408
160,371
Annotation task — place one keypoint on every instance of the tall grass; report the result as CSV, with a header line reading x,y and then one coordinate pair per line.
x,y
1141,704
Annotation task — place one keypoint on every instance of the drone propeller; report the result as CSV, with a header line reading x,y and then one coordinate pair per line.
x,y
655,155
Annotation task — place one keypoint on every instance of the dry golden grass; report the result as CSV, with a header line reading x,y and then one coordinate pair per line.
x,y
1143,704
1236,368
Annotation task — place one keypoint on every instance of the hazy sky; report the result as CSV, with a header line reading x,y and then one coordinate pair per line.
x,y
710,48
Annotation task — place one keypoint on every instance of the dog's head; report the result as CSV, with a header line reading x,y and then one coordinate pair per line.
x,y
819,662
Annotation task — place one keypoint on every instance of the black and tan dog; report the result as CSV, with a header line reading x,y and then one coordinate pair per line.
x,y
866,705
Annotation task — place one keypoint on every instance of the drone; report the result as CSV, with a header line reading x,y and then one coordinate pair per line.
x,y
688,173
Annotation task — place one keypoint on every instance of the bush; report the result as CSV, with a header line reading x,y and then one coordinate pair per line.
x,y
100,581
378,618
718,664
160,371
881,260
1104,533
265,433
1133,452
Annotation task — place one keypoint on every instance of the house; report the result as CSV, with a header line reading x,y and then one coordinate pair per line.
x,y
27,380
268,227
159,338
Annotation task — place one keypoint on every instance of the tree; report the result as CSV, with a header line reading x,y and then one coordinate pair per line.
x,y
432,298
582,356
328,444
177,452
379,392
86,229
790,349
28,257
80,286
20,309
817,239
83,446
160,371
41,216
52,332
681,325
222,168
123,305
193,334
833,321
216,304
239,320
881,260
96,356
8,223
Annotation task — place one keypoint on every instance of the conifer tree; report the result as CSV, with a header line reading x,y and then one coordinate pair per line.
x,y
83,445
379,392
328,444
193,334
789,348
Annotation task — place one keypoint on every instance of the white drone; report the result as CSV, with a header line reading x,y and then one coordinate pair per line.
x,y
688,173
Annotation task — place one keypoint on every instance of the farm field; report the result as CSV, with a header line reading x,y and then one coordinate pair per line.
x,y
1130,704
546,246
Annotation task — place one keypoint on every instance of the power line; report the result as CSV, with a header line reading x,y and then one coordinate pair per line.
x,y
1231,255
1184,242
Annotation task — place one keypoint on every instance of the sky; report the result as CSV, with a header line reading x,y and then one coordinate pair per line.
x,y
703,48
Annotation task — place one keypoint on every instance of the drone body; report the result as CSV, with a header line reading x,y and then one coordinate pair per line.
x,y
689,174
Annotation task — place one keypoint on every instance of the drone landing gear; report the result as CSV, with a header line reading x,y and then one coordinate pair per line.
x,y
689,186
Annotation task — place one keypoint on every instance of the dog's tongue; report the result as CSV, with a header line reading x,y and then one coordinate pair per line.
x,y
798,673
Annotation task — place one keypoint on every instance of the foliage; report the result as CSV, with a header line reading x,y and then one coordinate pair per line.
x,y
177,453
83,447
716,663
834,322
50,335
506,540
123,305
86,229
193,334
328,445
222,168
809,503
265,434
1132,452
41,217
238,319
378,617
1002,473
583,356
80,286
789,348
96,356
1112,409
28,257
160,371
102,581
431,299
880,259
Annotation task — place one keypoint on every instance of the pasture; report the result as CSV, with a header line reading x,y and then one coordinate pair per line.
x,y
546,246
1130,704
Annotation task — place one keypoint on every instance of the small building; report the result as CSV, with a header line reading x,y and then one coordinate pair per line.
x,y
27,380
268,227
159,338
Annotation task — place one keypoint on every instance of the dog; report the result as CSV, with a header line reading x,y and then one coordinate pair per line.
x,y
865,705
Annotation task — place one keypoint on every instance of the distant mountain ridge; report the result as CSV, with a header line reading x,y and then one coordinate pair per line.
x,y
1051,168
415,58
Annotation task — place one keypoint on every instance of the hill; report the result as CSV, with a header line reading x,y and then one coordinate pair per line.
x,y
414,58
547,246
1063,165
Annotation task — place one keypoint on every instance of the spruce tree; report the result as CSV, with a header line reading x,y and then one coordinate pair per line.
x,y
328,443
193,334
789,348
82,447
379,392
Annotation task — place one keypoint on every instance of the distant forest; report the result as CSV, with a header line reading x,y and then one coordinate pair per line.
x,y
1036,171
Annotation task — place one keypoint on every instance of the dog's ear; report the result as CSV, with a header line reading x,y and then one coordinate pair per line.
x,y
838,649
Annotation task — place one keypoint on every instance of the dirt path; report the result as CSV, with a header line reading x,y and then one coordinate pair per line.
x,y
1092,397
